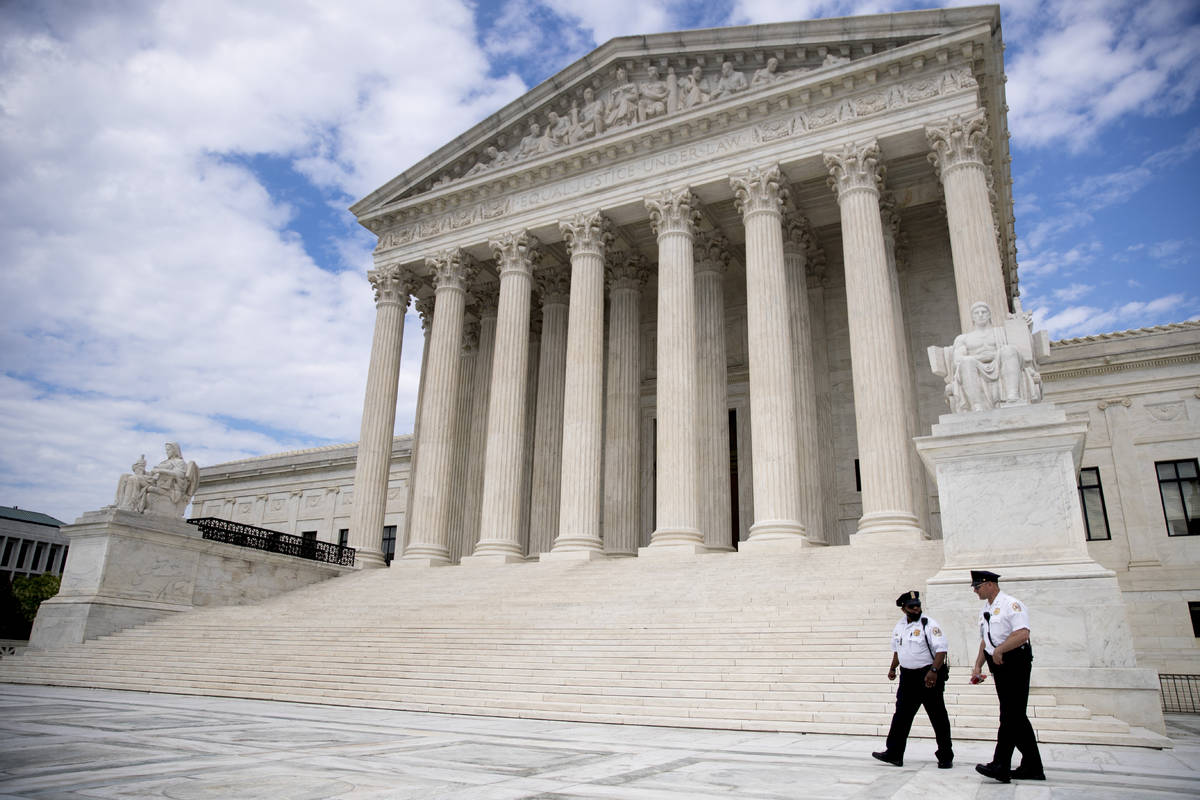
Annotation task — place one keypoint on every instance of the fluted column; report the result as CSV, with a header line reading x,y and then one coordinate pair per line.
x,y
531,387
716,513
392,285
795,259
554,285
428,543
461,436
674,215
587,236
424,307
824,391
480,398
758,194
855,175
960,158
622,515
499,529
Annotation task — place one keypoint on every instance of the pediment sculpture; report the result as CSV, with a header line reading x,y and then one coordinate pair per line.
x,y
164,490
992,366
627,103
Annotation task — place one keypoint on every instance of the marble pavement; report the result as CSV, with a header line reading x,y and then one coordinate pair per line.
x,y
81,743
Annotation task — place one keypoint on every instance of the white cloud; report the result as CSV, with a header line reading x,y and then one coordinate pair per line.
x,y
1073,292
1072,321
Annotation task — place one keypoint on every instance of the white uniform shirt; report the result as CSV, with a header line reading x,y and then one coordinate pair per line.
x,y
908,642
1006,614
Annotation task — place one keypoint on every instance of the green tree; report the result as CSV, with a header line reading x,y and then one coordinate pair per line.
x,y
31,590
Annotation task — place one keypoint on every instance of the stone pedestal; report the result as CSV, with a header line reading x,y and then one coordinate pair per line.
x,y
1009,502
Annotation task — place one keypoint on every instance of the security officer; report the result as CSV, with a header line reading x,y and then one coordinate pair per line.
x,y
1004,644
919,649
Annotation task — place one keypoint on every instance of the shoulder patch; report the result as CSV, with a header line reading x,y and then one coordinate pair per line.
x,y
936,631
1016,606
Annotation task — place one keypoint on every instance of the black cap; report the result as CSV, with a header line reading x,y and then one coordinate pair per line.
x,y
979,576
908,598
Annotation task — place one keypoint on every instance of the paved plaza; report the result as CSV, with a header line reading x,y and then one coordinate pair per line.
x,y
81,743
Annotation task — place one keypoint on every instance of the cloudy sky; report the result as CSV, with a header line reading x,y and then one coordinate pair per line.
x,y
177,261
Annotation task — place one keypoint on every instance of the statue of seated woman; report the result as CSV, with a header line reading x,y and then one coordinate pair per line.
x,y
165,490
991,367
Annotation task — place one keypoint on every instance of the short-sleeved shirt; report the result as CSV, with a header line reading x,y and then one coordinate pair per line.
x,y
1005,615
908,642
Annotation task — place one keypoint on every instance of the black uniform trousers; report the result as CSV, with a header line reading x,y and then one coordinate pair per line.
x,y
911,694
1012,689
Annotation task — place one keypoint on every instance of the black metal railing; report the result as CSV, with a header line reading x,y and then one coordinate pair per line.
x,y
1180,693
222,530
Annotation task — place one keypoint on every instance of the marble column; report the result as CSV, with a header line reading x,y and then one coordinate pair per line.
x,y
499,530
622,494
716,513
531,387
856,177
392,285
587,236
461,435
428,543
960,158
480,398
894,247
424,308
554,286
674,215
758,194
797,236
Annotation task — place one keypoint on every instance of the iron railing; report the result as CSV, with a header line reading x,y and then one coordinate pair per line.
x,y
222,530
1180,693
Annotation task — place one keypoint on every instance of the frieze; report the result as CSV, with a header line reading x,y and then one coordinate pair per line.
x,y
812,118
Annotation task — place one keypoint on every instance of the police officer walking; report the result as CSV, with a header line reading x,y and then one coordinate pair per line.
x,y
1004,645
919,650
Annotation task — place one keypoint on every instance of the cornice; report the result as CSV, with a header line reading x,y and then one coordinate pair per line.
x,y
1050,374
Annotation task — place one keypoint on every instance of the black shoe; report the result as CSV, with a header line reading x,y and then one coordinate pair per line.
x,y
888,758
1023,774
947,764
993,772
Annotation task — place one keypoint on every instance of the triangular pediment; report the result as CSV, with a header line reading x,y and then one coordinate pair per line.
x,y
634,82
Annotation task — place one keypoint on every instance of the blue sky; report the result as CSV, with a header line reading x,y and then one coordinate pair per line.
x,y
178,262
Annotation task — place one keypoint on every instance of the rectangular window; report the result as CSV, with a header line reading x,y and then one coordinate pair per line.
x,y
1179,486
857,477
1194,610
389,543
23,555
38,551
1091,497
9,545
52,560
343,537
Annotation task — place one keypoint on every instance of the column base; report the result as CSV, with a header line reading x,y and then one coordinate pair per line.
x,y
767,545
776,529
563,555
421,561
490,559
671,537
369,559
672,550
887,527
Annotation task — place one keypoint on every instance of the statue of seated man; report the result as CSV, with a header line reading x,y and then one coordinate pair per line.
x,y
990,366
166,489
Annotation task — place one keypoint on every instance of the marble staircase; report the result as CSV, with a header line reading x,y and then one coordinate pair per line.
x,y
784,642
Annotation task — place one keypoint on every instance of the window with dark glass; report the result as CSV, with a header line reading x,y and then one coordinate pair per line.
x,y
52,559
38,551
1179,486
9,545
1194,610
310,543
389,543
23,554
343,537
1091,497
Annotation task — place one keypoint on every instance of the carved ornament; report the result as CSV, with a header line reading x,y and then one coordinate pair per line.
x,y
392,284
516,252
961,140
452,269
587,232
674,211
759,190
855,167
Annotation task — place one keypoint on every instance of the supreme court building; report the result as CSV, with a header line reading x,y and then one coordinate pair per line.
x,y
678,298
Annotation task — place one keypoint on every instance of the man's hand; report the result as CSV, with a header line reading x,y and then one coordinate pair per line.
x,y
892,674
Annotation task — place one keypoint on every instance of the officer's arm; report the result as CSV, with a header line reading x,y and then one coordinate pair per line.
x,y
1014,640
980,659
892,668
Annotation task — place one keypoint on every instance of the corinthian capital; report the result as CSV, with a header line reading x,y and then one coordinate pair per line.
x,y
855,167
516,252
392,284
961,140
759,189
424,308
554,285
713,254
452,269
674,211
587,232
627,271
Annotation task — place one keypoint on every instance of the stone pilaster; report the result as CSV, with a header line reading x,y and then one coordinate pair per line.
x,y
674,215
796,241
856,176
759,194
461,453
587,236
554,286
499,530
960,158
1143,526
622,515
428,543
480,397
716,522
392,285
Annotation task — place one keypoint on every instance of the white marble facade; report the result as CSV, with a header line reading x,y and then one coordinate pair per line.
x,y
786,216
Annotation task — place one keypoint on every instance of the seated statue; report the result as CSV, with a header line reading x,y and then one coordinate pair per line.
x,y
165,490
991,367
